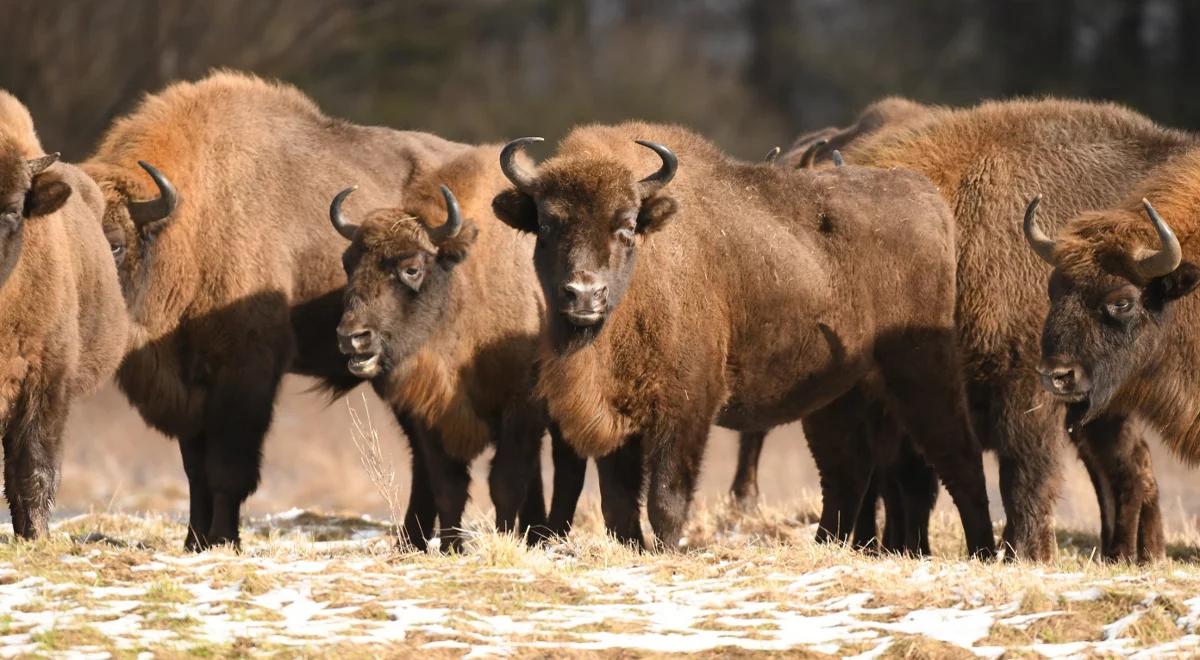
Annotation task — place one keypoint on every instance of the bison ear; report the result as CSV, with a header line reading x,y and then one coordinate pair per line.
x,y
517,210
1179,282
453,250
47,195
655,212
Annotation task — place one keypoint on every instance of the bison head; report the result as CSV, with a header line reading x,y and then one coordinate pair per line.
x,y
398,268
28,190
133,218
1115,279
588,213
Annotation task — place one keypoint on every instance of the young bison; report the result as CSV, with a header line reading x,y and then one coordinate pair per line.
x,y
713,291
61,311
1119,337
442,312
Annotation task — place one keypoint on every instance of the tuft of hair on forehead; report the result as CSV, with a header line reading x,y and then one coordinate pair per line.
x,y
1110,241
392,229
584,180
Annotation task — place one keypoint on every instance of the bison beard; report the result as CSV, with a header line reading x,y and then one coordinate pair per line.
x,y
644,390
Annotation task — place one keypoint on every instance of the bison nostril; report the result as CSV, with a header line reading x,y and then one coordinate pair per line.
x,y
361,339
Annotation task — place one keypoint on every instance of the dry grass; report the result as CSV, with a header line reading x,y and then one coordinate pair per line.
x,y
754,584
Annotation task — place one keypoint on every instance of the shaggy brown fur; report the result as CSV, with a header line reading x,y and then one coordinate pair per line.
x,y
736,310
457,347
243,281
886,480
892,112
61,309
1148,368
988,161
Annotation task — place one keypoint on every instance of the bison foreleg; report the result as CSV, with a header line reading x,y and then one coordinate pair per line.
x,y
1113,448
621,477
569,471
674,468
200,503
516,461
32,461
450,480
421,515
837,438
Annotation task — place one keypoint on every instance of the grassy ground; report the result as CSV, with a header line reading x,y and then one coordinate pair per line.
x,y
315,585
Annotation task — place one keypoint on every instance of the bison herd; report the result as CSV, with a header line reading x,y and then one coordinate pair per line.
x,y
885,284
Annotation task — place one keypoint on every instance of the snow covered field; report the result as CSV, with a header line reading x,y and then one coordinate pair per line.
x,y
315,585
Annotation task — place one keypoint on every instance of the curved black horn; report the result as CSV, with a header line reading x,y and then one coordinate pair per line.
x,y
1041,244
837,159
344,227
651,184
520,178
37,165
1166,259
153,210
449,228
773,155
810,155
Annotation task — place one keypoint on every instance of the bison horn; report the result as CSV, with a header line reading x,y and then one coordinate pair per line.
x,y
448,229
1041,244
651,184
153,210
810,155
836,156
37,165
773,155
344,227
520,178
1162,261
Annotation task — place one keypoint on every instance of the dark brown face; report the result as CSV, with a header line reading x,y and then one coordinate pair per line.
x,y
587,215
132,224
28,191
1102,331
399,274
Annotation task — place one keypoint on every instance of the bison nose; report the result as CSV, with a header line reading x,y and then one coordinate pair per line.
x,y
1063,379
586,295
355,340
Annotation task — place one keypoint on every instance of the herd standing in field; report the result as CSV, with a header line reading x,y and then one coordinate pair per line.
x,y
885,284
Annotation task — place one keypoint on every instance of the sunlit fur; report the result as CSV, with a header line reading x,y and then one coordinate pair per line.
x,y
892,113
63,322
736,310
1153,374
988,161
469,348
243,281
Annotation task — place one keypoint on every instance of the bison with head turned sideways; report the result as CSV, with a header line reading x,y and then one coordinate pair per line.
x,y
714,291
442,313
1119,337
61,311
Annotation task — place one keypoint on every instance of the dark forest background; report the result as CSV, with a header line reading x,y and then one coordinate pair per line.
x,y
749,73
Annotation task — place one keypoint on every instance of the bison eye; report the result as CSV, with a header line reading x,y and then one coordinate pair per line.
x,y
1119,308
412,276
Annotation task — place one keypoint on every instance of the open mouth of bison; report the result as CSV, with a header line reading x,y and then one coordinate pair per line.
x,y
364,365
1079,412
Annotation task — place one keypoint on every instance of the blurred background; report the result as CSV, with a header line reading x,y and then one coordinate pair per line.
x,y
751,74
